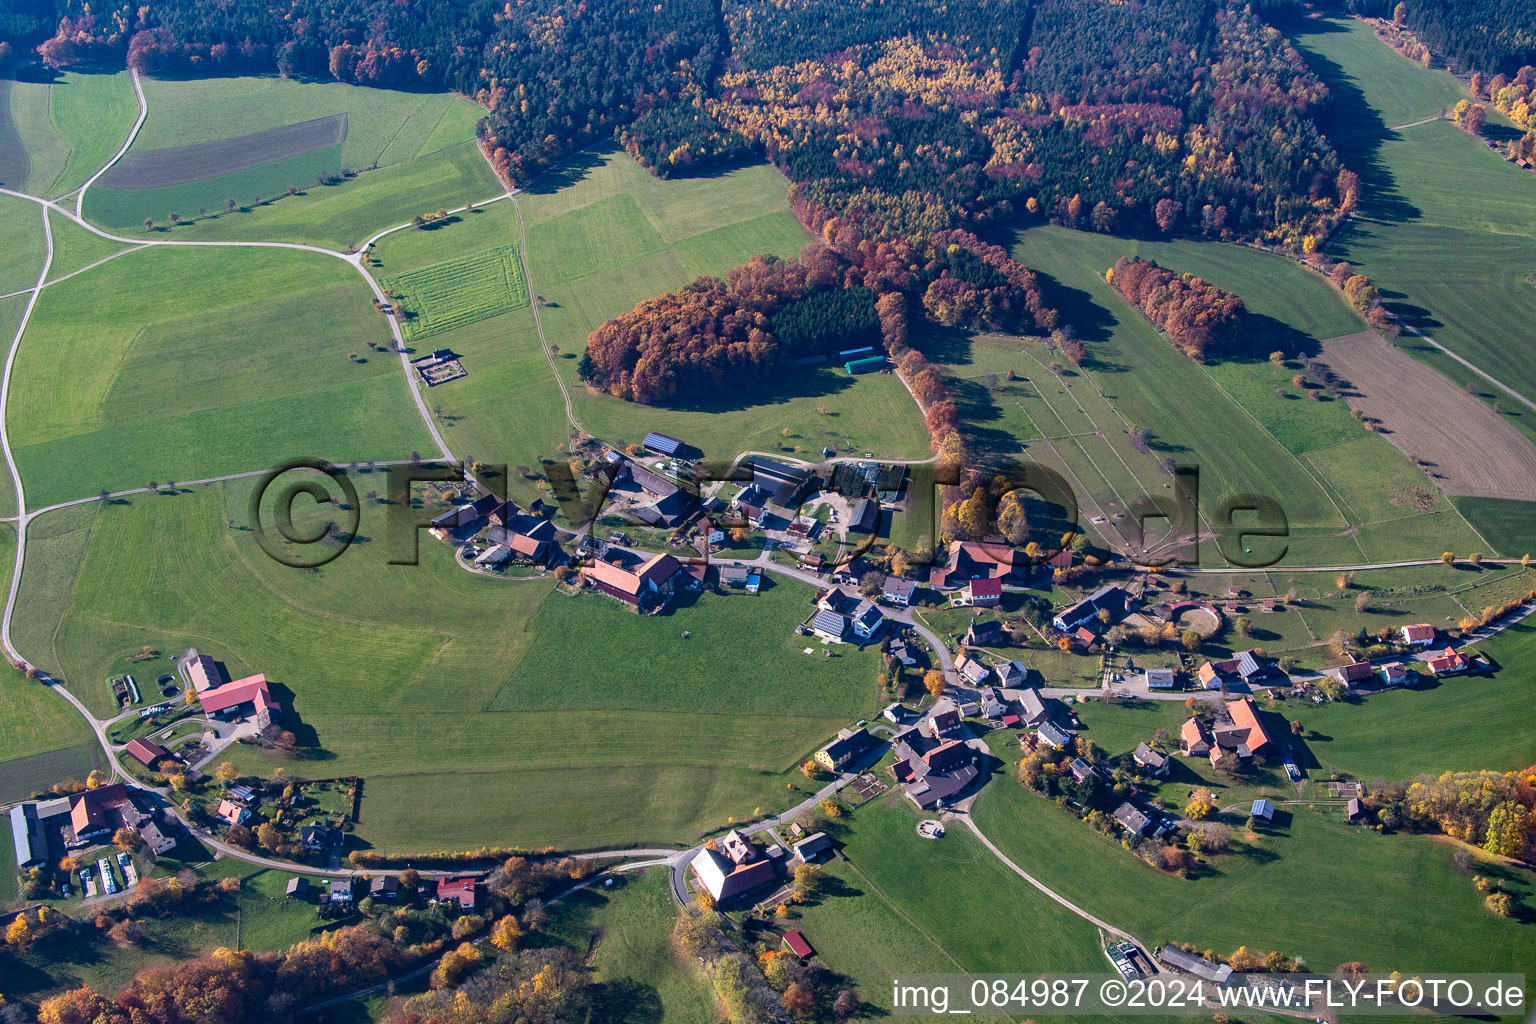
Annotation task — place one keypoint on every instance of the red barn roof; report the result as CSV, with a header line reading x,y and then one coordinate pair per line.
x,y
250,690
147,752
797,944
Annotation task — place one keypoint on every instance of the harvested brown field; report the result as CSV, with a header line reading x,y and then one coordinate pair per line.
x,y
1462,443
181,165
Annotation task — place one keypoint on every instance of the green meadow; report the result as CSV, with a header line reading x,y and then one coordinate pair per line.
x,y
415,153
1395,902
21,225
410,675
1447,227
1343,490
46,151
127,374
604,235
88,116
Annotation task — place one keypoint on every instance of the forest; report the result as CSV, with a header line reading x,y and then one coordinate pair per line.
x,y
1200,319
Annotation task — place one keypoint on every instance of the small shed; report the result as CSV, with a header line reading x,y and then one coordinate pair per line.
x,y
797,945
1263,810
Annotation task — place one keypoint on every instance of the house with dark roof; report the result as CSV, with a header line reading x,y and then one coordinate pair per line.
x,y
468,514
986,634
1259,671
341,890
1131,818
1110,599
850,745
865,517
932,771
156,839
1263,810
1354,810
786,485
1033,707
1153,761
1052,735
1355,674
944,720
733,575
1395,673
298,888
318,837
29,836
731,866
384,887
1198,966
812,847
1012,674
867,620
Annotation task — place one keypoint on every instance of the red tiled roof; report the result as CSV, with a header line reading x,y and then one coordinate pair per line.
x,y
986,588
1451,660
523,544
797,944
460,890
1356,672
1245,715
147,752
1419,633
251,689
89,811
613,576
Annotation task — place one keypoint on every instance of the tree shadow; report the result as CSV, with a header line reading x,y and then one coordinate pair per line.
x,y
1357,131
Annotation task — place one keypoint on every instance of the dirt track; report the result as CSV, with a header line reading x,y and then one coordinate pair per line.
x,y
1467,447
180,165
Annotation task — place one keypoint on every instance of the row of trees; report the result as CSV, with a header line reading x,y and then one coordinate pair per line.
x,y
1199,318
1488,809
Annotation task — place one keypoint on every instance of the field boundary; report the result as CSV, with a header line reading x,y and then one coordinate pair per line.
x,y
201,161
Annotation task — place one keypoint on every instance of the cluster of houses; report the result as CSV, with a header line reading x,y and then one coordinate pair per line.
x,y
841,617
459,893
42,831
1244,735
934,765
513,535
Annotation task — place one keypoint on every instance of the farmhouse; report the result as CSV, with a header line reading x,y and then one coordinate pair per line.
x,y
29,835
850,745
898,591
1246,736
1109,599
460,892
1214,673
146,752
1189,963
831,626
1420,634
985,593
97,812
969,560
734,866
1451,663
1354,674
651,584
248,696
669,504
467,514
1153,761
930,770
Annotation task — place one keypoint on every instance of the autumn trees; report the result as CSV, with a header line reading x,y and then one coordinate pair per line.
x,y
1199,318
